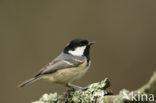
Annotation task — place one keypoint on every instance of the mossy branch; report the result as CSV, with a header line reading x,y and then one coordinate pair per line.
x,y
99,93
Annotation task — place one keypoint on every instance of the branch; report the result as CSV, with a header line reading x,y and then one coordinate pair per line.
x,y
99,93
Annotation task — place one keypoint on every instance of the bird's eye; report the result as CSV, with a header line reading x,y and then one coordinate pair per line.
x,y
80,44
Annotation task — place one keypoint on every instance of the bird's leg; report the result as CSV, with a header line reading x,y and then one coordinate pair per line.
x,y
74,87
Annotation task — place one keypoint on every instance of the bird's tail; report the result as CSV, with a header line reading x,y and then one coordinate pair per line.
x,y
31,80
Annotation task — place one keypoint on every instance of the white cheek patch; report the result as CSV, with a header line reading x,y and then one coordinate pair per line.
x,y
78,51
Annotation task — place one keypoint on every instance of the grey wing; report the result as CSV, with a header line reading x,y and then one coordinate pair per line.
x,y
59,64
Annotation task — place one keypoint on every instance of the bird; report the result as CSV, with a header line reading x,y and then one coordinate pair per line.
x,y
73,62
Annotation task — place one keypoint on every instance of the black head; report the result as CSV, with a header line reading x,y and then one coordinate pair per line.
x,y
78,47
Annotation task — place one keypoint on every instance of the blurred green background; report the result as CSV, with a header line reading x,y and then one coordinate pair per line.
x,y
33,32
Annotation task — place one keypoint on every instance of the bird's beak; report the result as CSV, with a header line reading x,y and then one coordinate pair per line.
x,y
91,43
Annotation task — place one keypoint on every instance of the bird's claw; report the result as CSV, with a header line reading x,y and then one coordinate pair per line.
x,y
74,87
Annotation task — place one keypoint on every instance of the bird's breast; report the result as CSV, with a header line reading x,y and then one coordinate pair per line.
x,y
67,75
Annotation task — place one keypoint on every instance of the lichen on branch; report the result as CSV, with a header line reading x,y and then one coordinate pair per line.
x,y
90,95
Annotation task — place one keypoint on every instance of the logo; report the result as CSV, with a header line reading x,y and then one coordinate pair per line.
x,y
138,96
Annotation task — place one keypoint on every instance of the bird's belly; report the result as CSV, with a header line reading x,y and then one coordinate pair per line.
x,y
68,75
